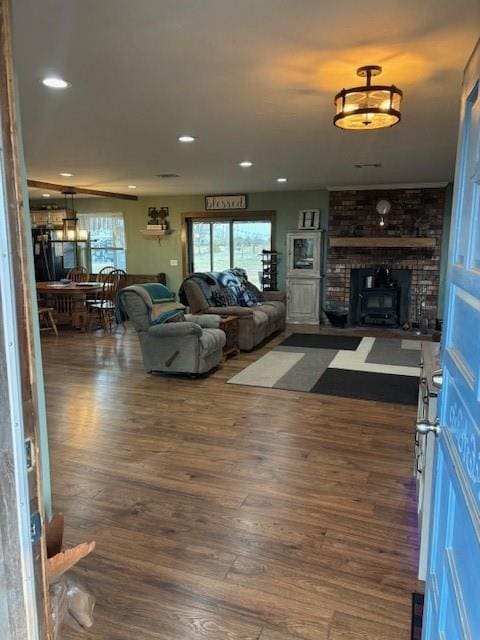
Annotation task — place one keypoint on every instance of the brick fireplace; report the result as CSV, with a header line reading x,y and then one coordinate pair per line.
x,y
413,233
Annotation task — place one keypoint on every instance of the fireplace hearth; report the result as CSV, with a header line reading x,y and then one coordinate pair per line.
x,y
353,229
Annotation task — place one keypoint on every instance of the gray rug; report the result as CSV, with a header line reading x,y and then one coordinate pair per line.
x,y
381,369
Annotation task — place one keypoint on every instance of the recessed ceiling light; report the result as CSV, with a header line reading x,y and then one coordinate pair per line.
x,y
132,186
53,82
245,163
65,174
186,138
282,179
375,165
45,195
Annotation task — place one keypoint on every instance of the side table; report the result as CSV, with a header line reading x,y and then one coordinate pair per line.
x,y
229,325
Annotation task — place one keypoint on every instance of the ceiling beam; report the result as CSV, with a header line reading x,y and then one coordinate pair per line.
x,y
62,188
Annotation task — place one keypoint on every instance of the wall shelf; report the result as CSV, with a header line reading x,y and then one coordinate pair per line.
x,y
155,233
382,241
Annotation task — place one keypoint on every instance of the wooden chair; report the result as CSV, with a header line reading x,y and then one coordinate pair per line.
x,y
102,309
78,274
101,275
45,316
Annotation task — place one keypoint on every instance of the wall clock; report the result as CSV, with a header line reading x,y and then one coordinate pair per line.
x,y
383,207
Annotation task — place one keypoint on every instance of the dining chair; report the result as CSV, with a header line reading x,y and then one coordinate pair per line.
x,y
102,309
45,316
78,274
104,271
100,277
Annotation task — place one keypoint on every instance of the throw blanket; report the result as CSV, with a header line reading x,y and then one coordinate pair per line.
x,y
224,288
158,299
215,293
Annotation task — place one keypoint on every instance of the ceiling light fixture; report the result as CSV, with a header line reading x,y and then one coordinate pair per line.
x,y
245,163
282,179
370,106
186,138
132,186
53,82
65,174
45,195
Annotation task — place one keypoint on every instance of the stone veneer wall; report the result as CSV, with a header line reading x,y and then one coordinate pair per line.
x,y
414,212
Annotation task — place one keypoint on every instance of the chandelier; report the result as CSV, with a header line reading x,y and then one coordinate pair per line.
x,y
373,106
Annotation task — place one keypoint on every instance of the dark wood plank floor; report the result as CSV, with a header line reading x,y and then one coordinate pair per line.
x,y
229,513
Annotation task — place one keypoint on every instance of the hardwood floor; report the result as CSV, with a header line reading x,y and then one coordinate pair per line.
x,y
227,513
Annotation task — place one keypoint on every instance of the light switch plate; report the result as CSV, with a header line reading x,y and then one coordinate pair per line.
x,y
174,263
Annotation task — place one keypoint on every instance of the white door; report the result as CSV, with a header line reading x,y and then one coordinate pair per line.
x,y
452,609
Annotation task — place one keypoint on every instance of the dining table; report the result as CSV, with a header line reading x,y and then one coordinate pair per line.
x,y
69,300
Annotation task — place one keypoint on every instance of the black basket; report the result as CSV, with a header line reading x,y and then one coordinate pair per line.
x,y
337,317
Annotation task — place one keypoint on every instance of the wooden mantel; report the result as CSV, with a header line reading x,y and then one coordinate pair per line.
x,y
382,241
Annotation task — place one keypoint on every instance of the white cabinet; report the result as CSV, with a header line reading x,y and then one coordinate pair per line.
x,y
303,295
303,276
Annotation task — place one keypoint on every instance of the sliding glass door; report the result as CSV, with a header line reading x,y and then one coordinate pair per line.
x,y
216,245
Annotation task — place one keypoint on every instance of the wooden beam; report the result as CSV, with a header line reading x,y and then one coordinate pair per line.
x,y
62,188
389,241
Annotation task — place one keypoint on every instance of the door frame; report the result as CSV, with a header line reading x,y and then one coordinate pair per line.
x,y
24,605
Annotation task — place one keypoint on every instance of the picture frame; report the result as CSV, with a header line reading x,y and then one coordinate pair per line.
x,y
225,202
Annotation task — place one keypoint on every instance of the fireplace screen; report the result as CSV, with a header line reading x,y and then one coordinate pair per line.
x,y
381,301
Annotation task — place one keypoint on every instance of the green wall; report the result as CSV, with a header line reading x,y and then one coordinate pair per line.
x,y
146,255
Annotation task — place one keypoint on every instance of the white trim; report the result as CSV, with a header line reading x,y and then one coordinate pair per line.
x,y
378,187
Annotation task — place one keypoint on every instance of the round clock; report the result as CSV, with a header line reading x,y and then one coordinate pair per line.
x,y
383,207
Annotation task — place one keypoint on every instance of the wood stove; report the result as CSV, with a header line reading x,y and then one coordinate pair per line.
x,y
379,295
380,305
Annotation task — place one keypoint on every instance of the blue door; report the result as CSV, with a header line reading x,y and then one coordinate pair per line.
x,y
452,604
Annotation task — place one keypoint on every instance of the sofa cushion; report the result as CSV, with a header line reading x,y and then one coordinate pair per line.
x,y
274,307
260,321
165,311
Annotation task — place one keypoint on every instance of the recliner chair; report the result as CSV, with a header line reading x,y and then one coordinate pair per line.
x,y
194,346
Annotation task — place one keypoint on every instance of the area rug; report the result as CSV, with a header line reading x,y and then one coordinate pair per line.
x,y
380,369
417,616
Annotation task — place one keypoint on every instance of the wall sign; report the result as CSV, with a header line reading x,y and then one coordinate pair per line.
x,y
224,203
309,219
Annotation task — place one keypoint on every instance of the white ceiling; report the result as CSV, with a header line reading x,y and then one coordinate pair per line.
x,y
253,79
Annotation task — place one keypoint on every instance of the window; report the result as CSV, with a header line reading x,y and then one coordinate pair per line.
x,y
107,239
221,244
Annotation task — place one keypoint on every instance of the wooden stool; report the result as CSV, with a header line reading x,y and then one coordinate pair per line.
x,y
45,314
